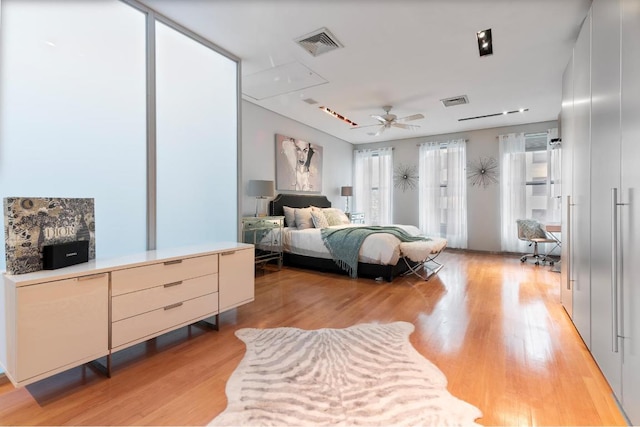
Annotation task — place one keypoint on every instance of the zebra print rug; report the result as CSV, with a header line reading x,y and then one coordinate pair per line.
x,y
365,375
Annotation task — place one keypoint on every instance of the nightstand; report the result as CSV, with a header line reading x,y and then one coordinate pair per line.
x,y
356,217
265,233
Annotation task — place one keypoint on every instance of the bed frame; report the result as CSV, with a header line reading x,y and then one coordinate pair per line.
x,y
373,271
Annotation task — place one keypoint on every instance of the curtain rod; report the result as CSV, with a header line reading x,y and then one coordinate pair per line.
x,y
373,149
544,133
436,142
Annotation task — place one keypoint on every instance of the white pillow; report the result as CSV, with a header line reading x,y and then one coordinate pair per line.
x,y
303,218
335,216
289,216
319,220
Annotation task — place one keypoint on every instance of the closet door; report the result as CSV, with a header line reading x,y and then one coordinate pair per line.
x,y
580,221
630,215
605,176
567,136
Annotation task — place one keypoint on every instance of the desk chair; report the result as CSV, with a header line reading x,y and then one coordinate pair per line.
x,y
531,231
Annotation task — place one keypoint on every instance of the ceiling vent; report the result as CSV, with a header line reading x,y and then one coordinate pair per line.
x,y
319,42
310,101
456,100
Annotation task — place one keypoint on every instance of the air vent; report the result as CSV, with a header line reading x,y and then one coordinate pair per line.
x,y
310,101
456,100
319,42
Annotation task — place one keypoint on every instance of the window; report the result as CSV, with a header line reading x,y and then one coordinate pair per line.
x,y
373,175
542,178
443,191
529,183
80,70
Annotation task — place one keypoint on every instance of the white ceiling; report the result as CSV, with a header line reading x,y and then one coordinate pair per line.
x,y
406,53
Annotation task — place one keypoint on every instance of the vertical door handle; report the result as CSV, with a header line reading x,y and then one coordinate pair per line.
x,y
614,268
567,238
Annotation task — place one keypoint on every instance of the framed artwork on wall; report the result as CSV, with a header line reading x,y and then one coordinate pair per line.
x,y
298,165
32,222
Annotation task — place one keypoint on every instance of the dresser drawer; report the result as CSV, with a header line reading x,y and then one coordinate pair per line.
x,y
152,323
149,276
134,303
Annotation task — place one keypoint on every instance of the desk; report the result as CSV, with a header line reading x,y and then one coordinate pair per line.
x,y
553,229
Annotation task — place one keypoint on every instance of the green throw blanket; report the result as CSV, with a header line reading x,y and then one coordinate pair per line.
x,y
344,243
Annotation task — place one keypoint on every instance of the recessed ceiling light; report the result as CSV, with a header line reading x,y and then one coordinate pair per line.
x,y
485,43
337,115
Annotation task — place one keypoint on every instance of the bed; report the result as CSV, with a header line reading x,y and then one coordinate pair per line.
x,y
382,256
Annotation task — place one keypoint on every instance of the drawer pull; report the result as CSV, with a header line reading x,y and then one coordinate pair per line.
x,y
168,285
93,276
169,307
228,253
175,261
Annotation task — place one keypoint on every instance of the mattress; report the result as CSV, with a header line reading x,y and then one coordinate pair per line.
x,y
378,248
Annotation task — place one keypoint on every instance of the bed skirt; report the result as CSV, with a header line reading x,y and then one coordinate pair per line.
x,y
370,271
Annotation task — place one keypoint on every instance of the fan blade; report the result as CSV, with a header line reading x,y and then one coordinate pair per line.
x,y
382,128
403,126
379,118
412,117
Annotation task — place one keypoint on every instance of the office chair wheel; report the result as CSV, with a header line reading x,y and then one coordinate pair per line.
x,y
523,259
551,263
537,262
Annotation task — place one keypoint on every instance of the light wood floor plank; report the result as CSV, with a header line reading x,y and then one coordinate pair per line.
x,y
494,326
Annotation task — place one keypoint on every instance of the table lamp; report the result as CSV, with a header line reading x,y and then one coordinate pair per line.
x,y
260,189
346,192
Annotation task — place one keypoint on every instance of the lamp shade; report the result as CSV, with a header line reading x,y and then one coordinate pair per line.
x,y
346,191
259,188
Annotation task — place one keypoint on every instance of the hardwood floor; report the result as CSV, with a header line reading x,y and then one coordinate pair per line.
x,y
494,326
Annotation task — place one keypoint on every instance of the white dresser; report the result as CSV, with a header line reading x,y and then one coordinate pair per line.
x,y
55,320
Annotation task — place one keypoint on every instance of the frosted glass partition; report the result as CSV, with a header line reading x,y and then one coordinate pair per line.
x,y
196,100
73,111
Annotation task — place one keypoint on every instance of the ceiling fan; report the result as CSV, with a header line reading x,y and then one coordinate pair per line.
x,y
387,120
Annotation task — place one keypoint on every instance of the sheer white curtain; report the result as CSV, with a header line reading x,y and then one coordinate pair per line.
x,y
512,190
457,194
443,186
429,178
373,184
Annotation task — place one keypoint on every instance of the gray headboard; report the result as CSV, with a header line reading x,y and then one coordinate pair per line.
x,y
296,201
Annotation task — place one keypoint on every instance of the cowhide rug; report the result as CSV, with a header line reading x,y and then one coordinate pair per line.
x,y
367,374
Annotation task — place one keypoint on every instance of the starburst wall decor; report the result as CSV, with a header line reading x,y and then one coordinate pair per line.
x,y
483,172
405,177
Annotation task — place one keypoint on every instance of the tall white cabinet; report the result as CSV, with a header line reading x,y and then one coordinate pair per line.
x,y
580,199
604,251
629,229
567,122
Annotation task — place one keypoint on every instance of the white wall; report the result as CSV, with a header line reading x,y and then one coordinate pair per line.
x,y
483,204
259,127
